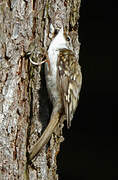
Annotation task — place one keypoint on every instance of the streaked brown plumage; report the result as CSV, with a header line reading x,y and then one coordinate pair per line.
x,y
69,79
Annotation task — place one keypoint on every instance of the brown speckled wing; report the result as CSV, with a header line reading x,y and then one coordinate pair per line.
x,y
69,80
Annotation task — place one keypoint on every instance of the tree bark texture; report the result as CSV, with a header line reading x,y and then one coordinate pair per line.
x,y
25,24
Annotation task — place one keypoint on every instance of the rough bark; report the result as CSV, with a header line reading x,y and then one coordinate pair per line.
x,y
26,24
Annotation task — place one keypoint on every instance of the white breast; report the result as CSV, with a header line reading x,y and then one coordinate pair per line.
x,y
52,75
53,56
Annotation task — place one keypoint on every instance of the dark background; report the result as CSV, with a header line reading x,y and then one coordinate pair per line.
x,y
90,147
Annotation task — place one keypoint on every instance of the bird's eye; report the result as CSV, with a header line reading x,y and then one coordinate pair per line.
x,y
68,38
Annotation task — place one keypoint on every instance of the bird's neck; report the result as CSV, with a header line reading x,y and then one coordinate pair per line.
x,y
52,51
52,47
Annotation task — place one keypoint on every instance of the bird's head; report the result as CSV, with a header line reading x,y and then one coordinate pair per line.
x,y
61,41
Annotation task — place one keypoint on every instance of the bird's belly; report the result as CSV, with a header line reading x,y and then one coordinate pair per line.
x,y
52,86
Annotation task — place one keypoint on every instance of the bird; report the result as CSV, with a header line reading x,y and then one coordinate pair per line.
x,y
63,80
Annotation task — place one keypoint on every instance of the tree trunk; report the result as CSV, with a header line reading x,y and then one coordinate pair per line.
x,y
23,25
